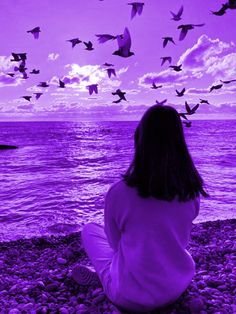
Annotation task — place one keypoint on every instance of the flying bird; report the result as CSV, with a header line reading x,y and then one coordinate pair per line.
x,y
183,115
111,72
21,68
187,123
89,45
15,57
22,56
231,4
176,68
121,95
102,38
18,57
164,59
154,86
92,88
215,87
137,8
108,65
34,71
43,84
189,110
180,94
204,101
75,41
124,43
177,17
185,28
27,97
11,74
161,102
227,82
25,76
166,40
35,32
221,11
38,95
61,84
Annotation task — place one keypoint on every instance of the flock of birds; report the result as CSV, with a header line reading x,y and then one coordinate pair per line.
x,y
124,51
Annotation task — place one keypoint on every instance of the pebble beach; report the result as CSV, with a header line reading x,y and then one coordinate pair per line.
x,y
35,275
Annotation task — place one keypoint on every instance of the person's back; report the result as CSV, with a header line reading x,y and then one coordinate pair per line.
x,y
140,255
151,266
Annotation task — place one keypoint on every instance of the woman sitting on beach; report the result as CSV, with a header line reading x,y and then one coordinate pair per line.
x,y
140,254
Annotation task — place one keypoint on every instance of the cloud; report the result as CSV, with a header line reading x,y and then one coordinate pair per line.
x,y
34,88
53,56
207,57
166,76
205,48
78,77
5,63
222,67
6,80
26,107
137,108
193,91
7,66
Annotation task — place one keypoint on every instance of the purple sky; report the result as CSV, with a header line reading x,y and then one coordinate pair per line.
x,y
207,53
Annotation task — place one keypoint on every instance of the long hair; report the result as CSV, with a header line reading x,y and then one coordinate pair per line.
x,y
162,166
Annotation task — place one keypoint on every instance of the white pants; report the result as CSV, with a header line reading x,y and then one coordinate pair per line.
x,y
95,243
100,253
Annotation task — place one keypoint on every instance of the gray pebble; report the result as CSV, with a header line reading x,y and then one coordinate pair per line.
x,y
52,287
61,260
14,311
63,310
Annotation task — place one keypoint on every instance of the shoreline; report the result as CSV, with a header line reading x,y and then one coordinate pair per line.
x,y
59,233
35,275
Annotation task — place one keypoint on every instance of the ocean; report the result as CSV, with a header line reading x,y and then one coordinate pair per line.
x,y
57,180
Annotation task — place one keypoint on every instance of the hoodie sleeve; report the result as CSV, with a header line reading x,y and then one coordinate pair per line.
x,y
110,226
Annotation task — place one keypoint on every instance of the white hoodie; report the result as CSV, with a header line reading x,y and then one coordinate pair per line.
x,y
151,266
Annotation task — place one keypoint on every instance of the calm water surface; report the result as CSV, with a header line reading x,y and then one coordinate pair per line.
x,y
57,180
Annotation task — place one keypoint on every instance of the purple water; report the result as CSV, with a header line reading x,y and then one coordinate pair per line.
x,y
57,180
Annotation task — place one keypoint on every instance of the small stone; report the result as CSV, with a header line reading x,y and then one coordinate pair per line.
x,y
222,288
61,260
63,310
13,288
44,297
98,299
201,284
3,293
14,311
52,287
96,292
27,306
214,283
40,284
80,308
43,310
25,290
68,253
196,305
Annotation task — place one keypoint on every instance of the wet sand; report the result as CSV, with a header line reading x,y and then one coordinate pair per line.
x,y
35,275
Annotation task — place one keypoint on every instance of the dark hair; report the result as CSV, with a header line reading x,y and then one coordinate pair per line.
x,y
162,166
